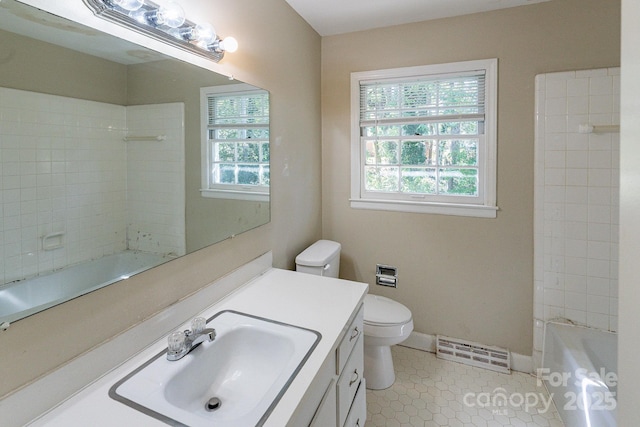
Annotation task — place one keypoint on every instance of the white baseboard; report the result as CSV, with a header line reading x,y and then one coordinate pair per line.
x,y
521,363
426,342
420,341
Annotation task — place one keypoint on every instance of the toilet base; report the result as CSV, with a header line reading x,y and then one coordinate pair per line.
x,y
378,367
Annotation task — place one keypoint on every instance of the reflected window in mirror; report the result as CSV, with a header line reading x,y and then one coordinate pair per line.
x,y
235,142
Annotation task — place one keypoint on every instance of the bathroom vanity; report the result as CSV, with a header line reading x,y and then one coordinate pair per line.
x,y
327,390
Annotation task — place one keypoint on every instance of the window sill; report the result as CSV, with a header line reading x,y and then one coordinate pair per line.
x,y
252,196
479,211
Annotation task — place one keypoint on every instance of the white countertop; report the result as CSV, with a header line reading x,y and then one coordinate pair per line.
x,y
322,304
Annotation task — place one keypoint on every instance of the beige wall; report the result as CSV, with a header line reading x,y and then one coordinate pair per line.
x,y
629,285
32,65
279,52
463,277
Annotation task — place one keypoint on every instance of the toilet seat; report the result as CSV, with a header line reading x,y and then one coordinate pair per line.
x,y
386,318
381,311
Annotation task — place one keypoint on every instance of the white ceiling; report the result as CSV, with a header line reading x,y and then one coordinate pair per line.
x,y
329,17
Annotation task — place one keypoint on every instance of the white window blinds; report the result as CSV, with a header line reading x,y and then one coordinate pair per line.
x,y
428,99
245,110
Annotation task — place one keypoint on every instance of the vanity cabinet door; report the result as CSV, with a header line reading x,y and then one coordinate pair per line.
x,y
325,416
350,380
358,413
344,399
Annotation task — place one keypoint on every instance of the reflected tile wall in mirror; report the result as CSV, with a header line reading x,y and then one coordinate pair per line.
x,y
68,174
63,170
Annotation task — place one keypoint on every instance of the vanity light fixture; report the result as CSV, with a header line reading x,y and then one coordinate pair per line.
x,y
166,23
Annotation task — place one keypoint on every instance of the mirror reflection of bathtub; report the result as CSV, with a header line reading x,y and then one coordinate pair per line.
x,y
580,371
23,298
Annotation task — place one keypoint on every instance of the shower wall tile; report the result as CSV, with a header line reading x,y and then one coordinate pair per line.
x,y
576,316
575,301
155,172
576,198
63,169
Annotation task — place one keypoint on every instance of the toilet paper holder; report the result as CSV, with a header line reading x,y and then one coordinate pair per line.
x,y
386,275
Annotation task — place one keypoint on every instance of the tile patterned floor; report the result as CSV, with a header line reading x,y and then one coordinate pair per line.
x,y
433,392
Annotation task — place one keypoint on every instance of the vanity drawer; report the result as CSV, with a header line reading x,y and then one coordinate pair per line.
x,y
349,340
358,413
350,380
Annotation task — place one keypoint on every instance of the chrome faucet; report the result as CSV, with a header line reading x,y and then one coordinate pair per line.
x,y
180,343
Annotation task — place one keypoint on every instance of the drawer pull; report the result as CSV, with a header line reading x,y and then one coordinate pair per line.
x,y
354,334
358,423
355,377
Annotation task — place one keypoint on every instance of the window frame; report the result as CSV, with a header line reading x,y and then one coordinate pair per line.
x,y
209,189
485,204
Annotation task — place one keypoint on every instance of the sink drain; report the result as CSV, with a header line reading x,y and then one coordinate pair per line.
x,y
213,404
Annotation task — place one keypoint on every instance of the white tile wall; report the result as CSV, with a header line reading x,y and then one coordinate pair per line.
x,y
576,199
155,170
63,168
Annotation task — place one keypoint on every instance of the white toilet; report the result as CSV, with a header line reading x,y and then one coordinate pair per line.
x,y
386,322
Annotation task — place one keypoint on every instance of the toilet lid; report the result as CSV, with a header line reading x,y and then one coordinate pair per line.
x,y
318,254
384,311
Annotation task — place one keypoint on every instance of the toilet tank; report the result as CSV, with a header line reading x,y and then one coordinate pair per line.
x,y
322,259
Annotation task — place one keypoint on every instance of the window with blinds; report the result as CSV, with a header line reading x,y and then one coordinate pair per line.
x,y
425,135
235,141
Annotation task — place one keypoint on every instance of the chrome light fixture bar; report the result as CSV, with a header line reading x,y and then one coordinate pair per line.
x,y
166,23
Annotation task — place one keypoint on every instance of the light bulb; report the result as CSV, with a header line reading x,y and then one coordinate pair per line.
x,y
204,34
142,16
171,15
128,4
229,44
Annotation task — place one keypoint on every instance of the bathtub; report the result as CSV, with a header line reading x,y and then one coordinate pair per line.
x,y
579,369
25,297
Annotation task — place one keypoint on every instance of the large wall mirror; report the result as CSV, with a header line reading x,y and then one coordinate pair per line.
x,y
101,160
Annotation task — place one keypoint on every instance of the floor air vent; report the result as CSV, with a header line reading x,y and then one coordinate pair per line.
x,y
474,354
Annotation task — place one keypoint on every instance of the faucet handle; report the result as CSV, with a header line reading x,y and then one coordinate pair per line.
x,y
176,342
198,325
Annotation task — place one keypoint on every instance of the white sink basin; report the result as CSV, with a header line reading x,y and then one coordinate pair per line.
x,y
248,367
